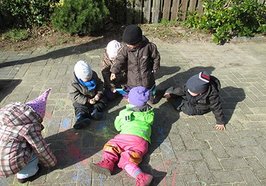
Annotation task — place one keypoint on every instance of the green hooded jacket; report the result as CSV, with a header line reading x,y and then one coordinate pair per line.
x,y
134,122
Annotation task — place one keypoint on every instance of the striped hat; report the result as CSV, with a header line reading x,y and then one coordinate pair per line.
x,y
198,83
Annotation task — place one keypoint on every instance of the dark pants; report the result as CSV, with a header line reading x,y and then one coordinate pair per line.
x,y
87,109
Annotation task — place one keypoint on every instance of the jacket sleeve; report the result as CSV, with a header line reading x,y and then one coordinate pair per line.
x,y
76,95
120,61
99,83
216,108
40,147
178,91
155,57
118,123
106,61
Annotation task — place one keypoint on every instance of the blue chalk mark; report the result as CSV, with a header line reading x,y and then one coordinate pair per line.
x,y
66,123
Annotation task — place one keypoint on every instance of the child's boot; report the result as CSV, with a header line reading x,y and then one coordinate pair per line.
x,y
105,167
96,115
81,121
143,179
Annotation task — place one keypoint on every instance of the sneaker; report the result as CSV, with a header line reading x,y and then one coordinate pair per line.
x,y
105,167
96,115
143,179
31,178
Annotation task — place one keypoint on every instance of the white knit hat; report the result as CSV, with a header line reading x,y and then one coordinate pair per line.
x,y
112,49
83,71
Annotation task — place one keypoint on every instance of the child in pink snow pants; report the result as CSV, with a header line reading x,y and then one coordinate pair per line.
x,y
127,148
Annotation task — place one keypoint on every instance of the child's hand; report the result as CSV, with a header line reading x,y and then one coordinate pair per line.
x,y
92,101
219,127
167,95
97,97
112,77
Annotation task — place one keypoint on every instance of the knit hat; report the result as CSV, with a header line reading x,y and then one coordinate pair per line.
x,y
138,96
112,49
39,103
83,71
198,83
132,35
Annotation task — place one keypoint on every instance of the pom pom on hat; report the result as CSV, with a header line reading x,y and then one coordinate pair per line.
x,y
39,103
138,96
83,71
199,83
112,49
132,35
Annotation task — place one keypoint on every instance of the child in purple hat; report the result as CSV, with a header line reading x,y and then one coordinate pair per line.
x,y
21,143
127,148
198,96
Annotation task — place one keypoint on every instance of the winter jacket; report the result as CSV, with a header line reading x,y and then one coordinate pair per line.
x,y
135,122
141,63
80,94
203,103
106,73
20,136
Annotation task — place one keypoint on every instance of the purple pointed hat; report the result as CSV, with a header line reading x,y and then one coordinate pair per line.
x,y
39,103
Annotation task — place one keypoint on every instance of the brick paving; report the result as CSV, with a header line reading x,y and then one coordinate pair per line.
x,y
185,150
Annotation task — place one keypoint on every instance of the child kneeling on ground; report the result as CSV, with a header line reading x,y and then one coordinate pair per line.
x,y
21,141
127,148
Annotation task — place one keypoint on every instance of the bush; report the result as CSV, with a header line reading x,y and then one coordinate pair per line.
x,y
80,16
226,19
16,35
25,13
117,10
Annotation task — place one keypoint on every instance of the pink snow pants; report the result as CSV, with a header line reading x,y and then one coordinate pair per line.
x,y
125,149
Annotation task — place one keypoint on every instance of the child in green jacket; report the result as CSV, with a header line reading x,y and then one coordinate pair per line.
x,y
127,148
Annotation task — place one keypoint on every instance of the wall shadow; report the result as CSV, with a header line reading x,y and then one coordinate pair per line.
x,y
230,96
114,33
7,86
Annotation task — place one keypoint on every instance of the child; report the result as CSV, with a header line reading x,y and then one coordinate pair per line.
x,y
127,148
112,49
199,95
21,142
141,58
86,94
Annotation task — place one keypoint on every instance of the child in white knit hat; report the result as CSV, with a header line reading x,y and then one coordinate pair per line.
x,y
110,54
22,145
87,95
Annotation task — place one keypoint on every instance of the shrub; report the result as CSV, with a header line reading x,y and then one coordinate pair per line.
x,y
16,35
25,13
226,19
80,16
117,10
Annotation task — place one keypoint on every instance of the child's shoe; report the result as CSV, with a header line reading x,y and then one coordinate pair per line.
x,y
96,115
81,122
105,167
143,179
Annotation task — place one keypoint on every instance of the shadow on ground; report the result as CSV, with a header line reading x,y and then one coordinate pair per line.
x,y
7,86
230,96
97,43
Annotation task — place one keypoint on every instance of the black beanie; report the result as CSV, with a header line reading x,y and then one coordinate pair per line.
x,y
199,83
132,35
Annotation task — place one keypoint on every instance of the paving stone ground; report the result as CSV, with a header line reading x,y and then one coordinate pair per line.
x,y
185,150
